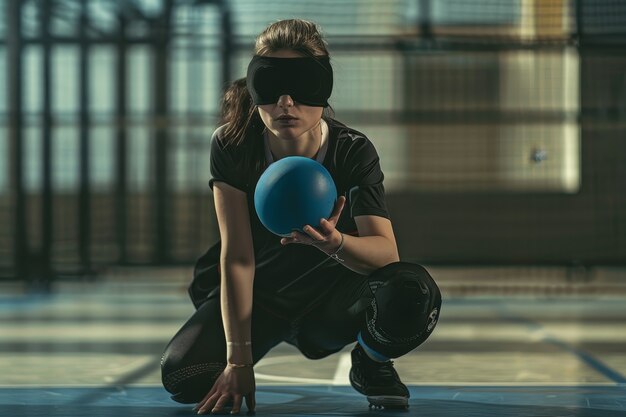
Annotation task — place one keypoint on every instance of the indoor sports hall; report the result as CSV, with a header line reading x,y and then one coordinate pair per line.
x,y
501,132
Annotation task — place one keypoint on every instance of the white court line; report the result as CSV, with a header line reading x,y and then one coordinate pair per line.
x,y
305,381
281,378
343,368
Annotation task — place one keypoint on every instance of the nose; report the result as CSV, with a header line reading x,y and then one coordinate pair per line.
x,y
285,101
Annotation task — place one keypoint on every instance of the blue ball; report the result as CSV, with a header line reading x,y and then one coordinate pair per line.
x,y
293,192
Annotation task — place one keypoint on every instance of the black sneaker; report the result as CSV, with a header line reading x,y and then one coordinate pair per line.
x,y
379,381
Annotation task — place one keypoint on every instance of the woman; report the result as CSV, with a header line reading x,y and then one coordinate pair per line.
x,y
338,283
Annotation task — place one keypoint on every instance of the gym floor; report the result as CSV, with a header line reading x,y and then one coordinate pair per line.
x,y
514,342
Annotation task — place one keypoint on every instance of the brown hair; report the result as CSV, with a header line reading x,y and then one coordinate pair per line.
x,y
236,110
298,35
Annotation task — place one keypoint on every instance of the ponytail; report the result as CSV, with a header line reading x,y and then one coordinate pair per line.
x,y
237,112
241,119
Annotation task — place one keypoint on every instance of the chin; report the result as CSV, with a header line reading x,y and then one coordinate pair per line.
x,y
288,133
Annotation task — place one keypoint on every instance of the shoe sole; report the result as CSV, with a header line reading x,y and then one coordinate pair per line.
x,y
388,401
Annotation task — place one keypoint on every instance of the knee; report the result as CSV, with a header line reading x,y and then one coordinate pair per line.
x,y
188,382
171,362
169,367
191,383
405,293
404,279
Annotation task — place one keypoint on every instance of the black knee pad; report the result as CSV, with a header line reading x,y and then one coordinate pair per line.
x,y
404,309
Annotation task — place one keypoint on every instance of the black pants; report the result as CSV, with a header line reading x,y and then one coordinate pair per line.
x,y
395,308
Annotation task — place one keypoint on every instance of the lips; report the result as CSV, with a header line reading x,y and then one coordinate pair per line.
x,y
286,118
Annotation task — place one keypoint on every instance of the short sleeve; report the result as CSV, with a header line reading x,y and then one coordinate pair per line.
x,y
367,193
223,166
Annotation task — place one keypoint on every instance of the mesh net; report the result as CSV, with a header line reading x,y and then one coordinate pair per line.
x,y
499,124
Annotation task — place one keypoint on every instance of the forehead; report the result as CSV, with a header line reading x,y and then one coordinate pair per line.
x,y
284,53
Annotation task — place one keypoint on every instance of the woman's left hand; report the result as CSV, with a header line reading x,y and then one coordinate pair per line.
x,y
326,237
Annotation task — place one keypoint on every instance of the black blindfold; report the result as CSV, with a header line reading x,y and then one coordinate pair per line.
x,y
307,80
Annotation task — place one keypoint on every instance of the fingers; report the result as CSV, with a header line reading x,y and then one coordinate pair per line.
x,y
208,403
251,402
237,399
296,237
315,235
327,228
221,403
222,400
312,236
305,238
341,202
206,398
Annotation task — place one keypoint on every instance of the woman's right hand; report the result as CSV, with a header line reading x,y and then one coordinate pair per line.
x,y
233,383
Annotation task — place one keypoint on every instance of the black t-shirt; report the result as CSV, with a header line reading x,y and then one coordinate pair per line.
x,y
302,272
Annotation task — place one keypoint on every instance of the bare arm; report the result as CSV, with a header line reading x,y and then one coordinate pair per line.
x,y
237,276
237,270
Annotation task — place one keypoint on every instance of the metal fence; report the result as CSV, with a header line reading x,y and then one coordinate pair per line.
x,y
500,125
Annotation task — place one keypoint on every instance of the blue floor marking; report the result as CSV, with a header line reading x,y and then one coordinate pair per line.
x,y
582,355
589,359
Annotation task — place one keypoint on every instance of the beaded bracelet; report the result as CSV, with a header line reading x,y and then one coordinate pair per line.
x,y
334,255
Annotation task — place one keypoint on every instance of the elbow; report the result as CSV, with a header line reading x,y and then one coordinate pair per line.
x,y
236,268
391,258
394,256
237,259
240,261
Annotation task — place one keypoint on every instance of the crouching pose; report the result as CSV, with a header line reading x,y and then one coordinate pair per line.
x,y
340,282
